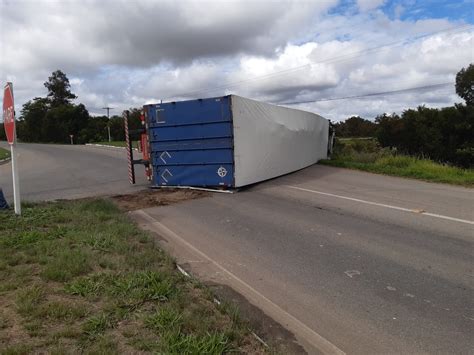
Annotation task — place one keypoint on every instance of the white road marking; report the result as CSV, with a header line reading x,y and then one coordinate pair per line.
x,y
416,211
352,273
308,334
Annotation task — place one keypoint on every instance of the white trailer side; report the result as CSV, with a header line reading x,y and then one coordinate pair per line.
x,y
271,140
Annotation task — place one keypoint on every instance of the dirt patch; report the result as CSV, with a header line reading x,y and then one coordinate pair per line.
x,y
156,197
275,335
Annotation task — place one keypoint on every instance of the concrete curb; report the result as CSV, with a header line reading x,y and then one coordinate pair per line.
x,y
4,161
107,146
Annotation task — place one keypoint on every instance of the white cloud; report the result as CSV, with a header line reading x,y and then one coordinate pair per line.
x,y
367,5
82,34
398,10
139,52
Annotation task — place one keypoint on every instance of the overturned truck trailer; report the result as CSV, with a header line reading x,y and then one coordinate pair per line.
x,y
229,141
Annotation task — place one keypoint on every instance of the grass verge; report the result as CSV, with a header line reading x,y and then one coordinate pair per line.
x,y
4,153
78,276
366,155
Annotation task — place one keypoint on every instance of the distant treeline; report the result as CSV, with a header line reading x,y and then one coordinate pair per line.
x,y
444,135
54,118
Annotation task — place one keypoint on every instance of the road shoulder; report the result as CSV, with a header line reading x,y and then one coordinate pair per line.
x,y
212,273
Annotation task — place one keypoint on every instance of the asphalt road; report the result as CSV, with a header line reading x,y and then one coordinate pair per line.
x,y
50,171
372,264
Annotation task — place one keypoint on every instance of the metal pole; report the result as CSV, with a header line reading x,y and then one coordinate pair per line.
x,y
108,120
16,182
131,167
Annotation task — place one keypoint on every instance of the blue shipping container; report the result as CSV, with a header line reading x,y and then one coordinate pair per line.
x,y
230,141
191,142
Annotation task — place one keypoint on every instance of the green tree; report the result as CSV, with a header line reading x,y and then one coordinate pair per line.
x,y
31,120
355,126
116,128
389,130
62,121
54,118
95,131
444,135
59,89
3,136
465,84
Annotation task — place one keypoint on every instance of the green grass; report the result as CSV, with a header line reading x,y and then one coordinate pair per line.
x,y
366,155
4,153
78,276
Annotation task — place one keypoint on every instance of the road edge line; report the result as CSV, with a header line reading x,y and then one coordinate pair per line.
x,y
403,209
287,320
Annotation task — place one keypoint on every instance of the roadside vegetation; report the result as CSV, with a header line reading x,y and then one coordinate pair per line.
x,y
78,276
367,154
4,154
52,119
444,135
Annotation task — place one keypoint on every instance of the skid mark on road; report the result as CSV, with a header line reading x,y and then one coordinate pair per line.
x,y
409,210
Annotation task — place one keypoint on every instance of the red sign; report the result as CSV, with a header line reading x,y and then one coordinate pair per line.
x,y
9,113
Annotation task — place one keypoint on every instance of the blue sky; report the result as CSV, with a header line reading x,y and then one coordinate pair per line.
x,y
415,9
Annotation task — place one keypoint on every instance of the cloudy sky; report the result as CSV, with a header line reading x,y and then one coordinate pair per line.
x,y
125,53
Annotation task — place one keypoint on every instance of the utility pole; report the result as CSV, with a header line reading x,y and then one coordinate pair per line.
x,y
108,120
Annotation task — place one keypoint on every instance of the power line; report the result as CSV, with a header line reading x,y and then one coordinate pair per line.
x,y
328,60
368,95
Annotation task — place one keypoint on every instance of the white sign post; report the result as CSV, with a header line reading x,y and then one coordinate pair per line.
x,y
10,130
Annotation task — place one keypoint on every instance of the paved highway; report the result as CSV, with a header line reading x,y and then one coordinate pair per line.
x,y
351,261
50,171
371,264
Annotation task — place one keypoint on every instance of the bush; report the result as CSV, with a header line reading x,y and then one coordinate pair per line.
x,y
443,135
360,150
368,155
